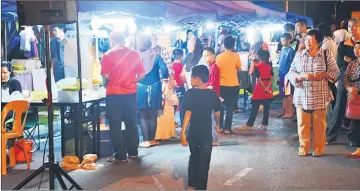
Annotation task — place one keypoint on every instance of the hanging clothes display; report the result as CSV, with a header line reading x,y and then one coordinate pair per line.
x,y
28,43
39,32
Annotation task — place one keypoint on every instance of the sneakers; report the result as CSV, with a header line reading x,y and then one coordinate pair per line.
x,y
263,127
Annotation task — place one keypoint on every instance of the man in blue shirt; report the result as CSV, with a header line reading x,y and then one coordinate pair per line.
x,y
286,58
57,52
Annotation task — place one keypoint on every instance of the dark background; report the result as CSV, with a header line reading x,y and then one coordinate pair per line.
x,y
320,11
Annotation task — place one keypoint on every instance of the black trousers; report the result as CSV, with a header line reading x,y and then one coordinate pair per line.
x,y
199,164
230,96
254,110
337,116
354,135
122,108
148,123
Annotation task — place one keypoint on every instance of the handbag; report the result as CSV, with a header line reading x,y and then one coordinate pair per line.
x,y
331,85
353,108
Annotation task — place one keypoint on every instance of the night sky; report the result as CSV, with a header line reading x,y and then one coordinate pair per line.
x,y
320,11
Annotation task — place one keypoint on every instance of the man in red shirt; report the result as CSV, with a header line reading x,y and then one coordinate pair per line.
x,y
122,69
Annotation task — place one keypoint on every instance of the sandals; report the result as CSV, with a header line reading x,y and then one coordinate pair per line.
x,y
226,132
146,144
286,117
114,160
134,157
279,115
303,153
316,154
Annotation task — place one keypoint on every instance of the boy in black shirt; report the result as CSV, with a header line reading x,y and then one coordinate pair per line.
x,y
198,104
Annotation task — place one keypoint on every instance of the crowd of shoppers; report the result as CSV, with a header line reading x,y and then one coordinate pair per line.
x,y
206,94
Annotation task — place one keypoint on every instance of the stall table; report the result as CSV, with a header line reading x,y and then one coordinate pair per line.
x,y
73,116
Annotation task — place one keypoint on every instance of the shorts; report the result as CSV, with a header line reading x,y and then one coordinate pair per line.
x,y
285,87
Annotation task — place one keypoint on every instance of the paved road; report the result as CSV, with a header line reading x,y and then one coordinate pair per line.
x,y
254,159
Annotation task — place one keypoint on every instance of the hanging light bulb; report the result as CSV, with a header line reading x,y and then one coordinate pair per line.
x,y
96,23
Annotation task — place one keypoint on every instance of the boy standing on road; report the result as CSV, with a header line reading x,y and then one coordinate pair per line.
x,y
199,104
286,89
213,83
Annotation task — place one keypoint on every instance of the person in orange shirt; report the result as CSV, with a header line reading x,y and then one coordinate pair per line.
x,y
229,64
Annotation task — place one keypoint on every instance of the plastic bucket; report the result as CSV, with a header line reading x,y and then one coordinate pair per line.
x,y
20,151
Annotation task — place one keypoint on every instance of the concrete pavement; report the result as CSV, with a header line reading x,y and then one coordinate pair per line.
x,y
253,159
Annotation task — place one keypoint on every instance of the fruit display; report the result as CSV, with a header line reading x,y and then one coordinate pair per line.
x,y
71,84
97,81
19,67
38,95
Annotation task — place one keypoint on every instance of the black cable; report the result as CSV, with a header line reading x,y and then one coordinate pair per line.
x,y
42,174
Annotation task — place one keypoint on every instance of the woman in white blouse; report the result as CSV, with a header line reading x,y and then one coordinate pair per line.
x,y
328,42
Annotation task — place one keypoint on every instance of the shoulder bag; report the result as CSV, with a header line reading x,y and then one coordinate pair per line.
x,y
353,106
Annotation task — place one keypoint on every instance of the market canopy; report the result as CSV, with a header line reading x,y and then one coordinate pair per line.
x,y
290,17
182,11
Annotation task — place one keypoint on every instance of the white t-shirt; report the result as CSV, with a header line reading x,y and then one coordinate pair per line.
x,y
330,44
341,35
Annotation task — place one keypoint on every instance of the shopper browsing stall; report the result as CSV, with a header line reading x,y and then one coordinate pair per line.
x,y
213,83
352,85
286,89
149,97
57,52
122,69
229,63
310,77
263,90
301,29
344,56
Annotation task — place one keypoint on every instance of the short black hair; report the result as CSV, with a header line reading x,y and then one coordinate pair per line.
x,y
302,21
200,71
189,30
286,35
289,27
8,66
210,49
318,35
61,27
178,53
263,55
229,42
325,29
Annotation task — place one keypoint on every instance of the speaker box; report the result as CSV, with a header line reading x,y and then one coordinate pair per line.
x,y
46,12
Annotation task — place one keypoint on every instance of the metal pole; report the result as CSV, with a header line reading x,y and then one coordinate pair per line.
x,y
5,39
287,6
304,8
79,77
49,106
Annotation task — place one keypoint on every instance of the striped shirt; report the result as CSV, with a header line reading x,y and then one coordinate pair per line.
x,y
312,95
352,74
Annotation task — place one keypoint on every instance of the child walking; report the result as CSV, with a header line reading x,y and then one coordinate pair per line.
x,y
199,104
285,87
177,66
263,90
213,83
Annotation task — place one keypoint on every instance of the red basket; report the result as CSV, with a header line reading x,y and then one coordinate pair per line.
x,y
20,151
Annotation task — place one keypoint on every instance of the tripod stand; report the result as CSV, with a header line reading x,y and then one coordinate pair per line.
x,y
54,169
